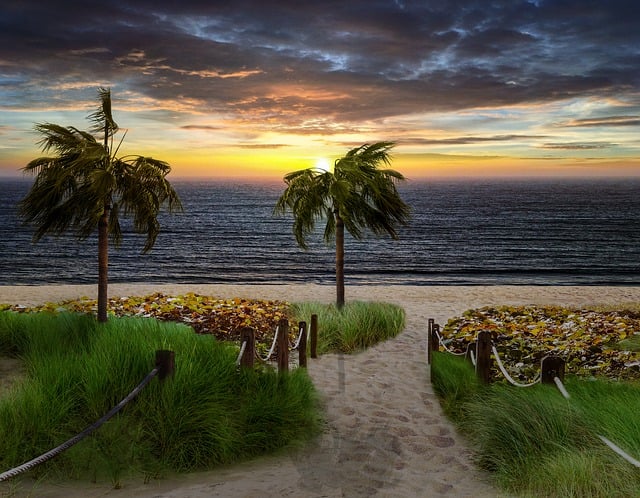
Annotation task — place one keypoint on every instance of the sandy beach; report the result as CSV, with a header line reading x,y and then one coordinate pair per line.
x,y
385,432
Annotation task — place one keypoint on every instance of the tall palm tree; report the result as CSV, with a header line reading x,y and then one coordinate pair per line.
x,y
84,186
357,195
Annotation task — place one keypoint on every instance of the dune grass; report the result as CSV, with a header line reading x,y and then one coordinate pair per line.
x,y
357,326
207,414
536,443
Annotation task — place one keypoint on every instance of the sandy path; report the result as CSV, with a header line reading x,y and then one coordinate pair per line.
x,y
385,433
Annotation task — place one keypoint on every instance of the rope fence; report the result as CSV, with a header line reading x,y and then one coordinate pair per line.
x,y
280,347
272,349
164,367
480,355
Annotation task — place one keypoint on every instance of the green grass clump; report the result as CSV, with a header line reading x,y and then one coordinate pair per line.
x,y
357,326
207,414
454,381
538,444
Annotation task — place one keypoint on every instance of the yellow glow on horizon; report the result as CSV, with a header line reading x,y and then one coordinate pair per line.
x,y
272,164
267,164
449,166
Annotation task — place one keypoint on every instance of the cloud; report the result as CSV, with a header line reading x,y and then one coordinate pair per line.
x,y
605,121
327,68
578,146
261,146
201,127
427,55
468,140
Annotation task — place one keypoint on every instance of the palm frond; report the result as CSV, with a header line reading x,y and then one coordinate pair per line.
x,y
80,180
142,191
102,117
362,194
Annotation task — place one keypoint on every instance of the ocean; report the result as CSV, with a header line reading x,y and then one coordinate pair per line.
x,y
537,232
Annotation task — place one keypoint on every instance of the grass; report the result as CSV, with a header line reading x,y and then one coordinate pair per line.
x,y
207,414
357,326
536,443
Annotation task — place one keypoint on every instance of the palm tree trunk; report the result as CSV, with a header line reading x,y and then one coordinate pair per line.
x,y
103,241
339,262
103,263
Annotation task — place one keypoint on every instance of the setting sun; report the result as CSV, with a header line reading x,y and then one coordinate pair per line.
x,y
324,164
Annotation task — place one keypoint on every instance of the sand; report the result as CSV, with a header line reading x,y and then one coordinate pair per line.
x,y
385,432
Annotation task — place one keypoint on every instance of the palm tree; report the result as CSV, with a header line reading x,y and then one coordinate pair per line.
x,y
356,195
84,186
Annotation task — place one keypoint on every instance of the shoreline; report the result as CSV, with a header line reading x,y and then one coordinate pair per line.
x,y
385,433
443,301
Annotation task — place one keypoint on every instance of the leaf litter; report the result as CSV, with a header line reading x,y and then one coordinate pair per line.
x,y
222,318
592,343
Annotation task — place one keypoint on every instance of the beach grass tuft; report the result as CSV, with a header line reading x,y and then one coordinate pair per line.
x,y
207,414
357,326
537,443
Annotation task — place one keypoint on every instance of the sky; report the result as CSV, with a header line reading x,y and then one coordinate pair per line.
x,y
255,89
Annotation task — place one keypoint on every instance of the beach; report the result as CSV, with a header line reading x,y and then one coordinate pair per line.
x,y
385,434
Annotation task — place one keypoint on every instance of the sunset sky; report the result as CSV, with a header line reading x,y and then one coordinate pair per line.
x,y
255,89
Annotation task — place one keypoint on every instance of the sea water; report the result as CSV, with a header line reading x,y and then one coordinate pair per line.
x,y
468,232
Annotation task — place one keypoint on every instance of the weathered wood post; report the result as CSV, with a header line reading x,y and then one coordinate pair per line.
x,y
248,335
429,329
314,336
165,363
283,345
434,339
302,345
551,367
483,356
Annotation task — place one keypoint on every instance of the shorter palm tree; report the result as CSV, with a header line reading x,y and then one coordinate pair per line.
x,y
84,186
357,195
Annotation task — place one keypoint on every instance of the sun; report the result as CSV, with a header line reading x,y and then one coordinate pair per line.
x,y
324,164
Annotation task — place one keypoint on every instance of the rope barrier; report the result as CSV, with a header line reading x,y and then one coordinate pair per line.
x,y
561,387
273,347
538,378
241,354
473,358
614,447
506,374
620,451
79,437
443,343
297,343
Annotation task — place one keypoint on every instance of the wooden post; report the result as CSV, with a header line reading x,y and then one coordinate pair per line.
x,y
552,366
283,345
248,334
483,356
166,363
471,350
314,336
302,345
429,329
434,341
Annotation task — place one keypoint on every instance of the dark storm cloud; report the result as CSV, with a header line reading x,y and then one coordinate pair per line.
x,y
283,63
